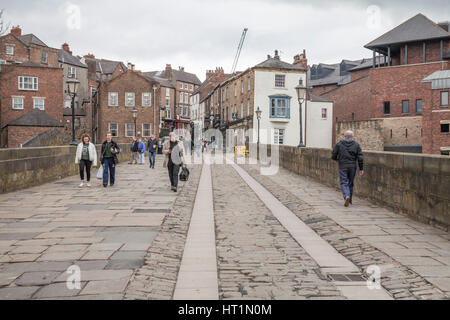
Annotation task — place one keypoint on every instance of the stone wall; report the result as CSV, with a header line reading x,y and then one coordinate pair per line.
x,y
28,167
415,185
369,134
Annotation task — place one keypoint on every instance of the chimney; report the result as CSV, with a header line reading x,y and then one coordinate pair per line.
x,y
181,69
130,66
90,56
168,72
66,47
276,56
16,31
268,56
300,60
209,74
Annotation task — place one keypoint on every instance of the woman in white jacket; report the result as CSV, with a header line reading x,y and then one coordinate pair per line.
x,y
86,156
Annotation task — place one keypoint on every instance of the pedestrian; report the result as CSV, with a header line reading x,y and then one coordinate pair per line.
x,y
348,152
134,151
152,147
141,151
109,160
173,150
86,156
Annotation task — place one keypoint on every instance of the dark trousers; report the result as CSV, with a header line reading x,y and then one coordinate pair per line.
x,y
85,164
347,176
174,170
109,167
152,158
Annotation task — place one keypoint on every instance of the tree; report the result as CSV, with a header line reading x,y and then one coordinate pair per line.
x,y
3,25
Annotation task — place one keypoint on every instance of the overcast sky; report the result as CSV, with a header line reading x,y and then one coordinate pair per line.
x,y
204,34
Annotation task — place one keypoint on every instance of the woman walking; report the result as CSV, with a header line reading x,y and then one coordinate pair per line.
x,y
86,156
173,150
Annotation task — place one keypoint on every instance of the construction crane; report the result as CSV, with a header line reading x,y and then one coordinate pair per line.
x,y
238,53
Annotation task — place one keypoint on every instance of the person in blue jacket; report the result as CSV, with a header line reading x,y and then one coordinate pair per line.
x,y
141,151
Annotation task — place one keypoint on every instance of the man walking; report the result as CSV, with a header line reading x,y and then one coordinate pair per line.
x,y
173,150
109,160
141,151
134,151
152,147
348,152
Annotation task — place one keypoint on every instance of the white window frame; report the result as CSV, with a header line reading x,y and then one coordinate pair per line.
x,y
186,98
126,130
280,83
276,136
242,109
181,86
71,72
181,97
67,103
186,86
249,86
248,107
2,61
168,113
34,83
191,87
117,129
44,54
110,101
326,113
37,99
126,99
10,46
235,89
242,86
149,130
147,103
14,103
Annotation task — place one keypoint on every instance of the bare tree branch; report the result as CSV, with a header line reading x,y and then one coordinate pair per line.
x,y
3,25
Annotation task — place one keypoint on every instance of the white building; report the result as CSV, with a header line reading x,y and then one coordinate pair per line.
x,y
319,122
196,111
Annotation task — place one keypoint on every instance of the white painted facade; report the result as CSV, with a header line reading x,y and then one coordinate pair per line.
x,y
196,111
264,90
319,129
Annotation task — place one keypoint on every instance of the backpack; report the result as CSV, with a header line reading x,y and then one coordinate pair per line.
x,y
184,175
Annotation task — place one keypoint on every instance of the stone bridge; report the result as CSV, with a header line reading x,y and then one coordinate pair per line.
x,y
229,233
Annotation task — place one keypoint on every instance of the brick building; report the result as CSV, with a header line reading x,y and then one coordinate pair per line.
x,y
31,79
118,96
390,85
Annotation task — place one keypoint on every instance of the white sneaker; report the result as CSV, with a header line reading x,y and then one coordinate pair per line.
x,y
81,184
88,185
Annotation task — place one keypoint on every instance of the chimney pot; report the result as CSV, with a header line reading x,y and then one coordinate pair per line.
x,y
16,31
276,55
66,47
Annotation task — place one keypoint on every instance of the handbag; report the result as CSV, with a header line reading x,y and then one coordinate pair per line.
x,y
184,175
100,172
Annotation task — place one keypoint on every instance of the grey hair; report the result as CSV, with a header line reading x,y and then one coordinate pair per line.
x,y
349,134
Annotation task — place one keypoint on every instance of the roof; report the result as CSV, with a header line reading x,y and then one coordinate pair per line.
x,y
28,39
314,98
368,63
152,77
35,118
273,63
67,58
439,79
80,112
186,77
104,66
332,78
417,28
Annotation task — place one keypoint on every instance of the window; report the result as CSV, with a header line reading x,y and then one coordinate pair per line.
x,y
186,98
405,106
191,87
71,72
353,116
2,61
324,113
129,130
114,129
445,152
387,107
168,113
419,108
278,136
248,107
167,97
235,90
9,49
38,103
279,107
181,86
185,86
67,103
129,99
181,97
113,100
242,86
445,127
28,83
444,98
280,80
242,109
146,130
17,103
249,86
146,99
44,57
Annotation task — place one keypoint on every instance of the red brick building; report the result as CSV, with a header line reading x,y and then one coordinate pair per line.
x,y
31,79
390,85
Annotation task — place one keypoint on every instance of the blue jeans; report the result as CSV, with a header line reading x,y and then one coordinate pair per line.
x,y
109,166
347,182
142,158
152,158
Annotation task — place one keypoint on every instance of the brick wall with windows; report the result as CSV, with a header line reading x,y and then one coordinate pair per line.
x,y
121,115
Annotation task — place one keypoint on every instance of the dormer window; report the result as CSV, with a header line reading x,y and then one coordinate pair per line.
x,y
9,50
44,57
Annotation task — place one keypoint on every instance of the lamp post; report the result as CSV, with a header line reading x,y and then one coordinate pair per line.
x,y
72,85
301,94
135,112
258,115
154,108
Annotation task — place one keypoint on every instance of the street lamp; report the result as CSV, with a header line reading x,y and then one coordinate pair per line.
x,y
258,115
72,85
301,94
135,113
154,108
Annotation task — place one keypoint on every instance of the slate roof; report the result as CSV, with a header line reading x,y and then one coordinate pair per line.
x,y
67,58
152,77
35,118
368,63
273,63
417,28
334,77
107,66
79,112
314,98
185,77
28,39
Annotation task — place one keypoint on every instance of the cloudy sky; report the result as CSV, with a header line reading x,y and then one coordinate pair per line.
x,y
204,34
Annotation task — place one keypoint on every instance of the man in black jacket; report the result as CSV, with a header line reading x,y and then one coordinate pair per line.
x,y
109,160
152,147
348,152
134,151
